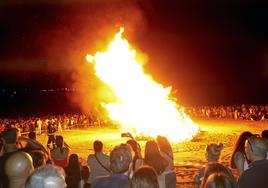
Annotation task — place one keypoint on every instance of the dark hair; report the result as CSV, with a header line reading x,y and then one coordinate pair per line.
x,y
10,135
98,145
84,173
217,168
39,158
73,162
240,146
219,180
73,171
136,148
144,177
264,134
153,158
32,135
59,142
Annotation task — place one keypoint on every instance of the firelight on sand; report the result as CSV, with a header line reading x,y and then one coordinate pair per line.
x,y
143,106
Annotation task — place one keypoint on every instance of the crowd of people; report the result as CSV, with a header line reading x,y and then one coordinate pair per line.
x,y
61,122
244,112
69,121
33,165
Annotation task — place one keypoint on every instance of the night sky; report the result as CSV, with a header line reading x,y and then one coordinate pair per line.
x,y
211,52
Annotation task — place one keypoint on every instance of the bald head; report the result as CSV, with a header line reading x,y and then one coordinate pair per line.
x,y
18,167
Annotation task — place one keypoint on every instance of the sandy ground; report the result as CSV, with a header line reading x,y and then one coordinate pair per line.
x,y
189,156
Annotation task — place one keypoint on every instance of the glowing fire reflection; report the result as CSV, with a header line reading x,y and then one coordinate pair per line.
x,y
143,106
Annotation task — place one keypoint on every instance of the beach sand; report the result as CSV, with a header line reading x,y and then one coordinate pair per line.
x,y
189,155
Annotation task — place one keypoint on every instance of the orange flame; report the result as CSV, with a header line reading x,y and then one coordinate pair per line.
x,y
143,106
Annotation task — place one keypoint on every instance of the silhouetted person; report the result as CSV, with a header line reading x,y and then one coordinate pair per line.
x,y
10,138
257,174
72,171
51,135
239,159
60,154
120,160
39,158
98,162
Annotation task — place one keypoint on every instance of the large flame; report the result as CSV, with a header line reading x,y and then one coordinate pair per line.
x,y
143,106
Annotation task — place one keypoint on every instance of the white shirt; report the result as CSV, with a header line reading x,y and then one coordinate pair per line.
x,y
96,169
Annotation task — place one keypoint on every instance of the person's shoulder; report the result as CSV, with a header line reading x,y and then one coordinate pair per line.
x,y
105,155
90,156
245,179
66,149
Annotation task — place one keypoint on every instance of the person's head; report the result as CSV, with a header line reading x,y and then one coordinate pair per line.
x,y
121,158
264,135
153,158
213,152
134,145
240,146
39,158
59,141
73,160
98,146
84,173
219,180
144,177
10,136
256,148
32,135
18,167
47,176
164,144
216,168
151,149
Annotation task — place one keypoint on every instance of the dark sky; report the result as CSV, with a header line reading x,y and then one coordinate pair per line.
x,y
211,52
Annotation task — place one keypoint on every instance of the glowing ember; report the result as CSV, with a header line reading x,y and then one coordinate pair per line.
x,y
143,106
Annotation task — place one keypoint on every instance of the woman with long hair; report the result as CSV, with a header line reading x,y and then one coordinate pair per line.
x,y
167,153
60,154
137,159
153,158
72,171
239,159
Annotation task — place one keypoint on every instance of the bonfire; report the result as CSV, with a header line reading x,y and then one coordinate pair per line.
x,y
142,106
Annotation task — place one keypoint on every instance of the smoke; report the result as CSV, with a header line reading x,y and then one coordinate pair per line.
x,y
98,28
52,39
